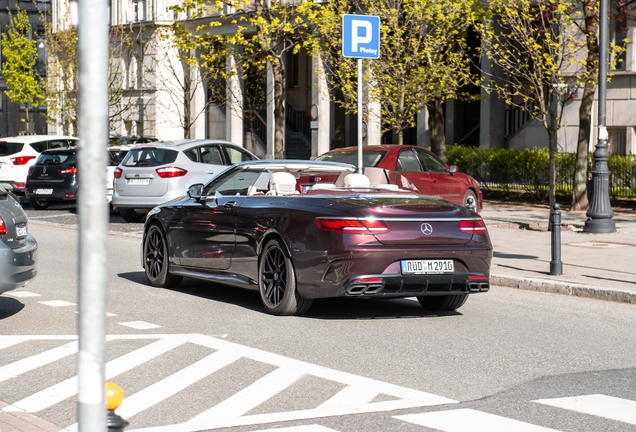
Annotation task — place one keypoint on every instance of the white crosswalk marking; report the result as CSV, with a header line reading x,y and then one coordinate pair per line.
x,y
305,428
12,370
57,393
465,420
614,408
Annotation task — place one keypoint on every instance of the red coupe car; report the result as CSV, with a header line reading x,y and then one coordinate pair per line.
x,y
423,168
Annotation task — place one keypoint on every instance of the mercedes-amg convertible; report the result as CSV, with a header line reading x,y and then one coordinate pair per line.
x,y
299,230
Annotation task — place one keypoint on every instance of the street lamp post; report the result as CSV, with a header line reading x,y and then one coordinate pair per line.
x,y
600,212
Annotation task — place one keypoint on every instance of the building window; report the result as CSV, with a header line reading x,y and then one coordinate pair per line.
x,y
617,140
292,70
618,35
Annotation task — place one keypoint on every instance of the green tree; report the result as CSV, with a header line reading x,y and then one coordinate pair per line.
x,y
18,70
536,45
424,58
265,32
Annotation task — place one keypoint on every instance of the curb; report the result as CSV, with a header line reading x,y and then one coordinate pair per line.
x,y
566,288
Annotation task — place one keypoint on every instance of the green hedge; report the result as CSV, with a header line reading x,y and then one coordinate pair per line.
x,y
527,170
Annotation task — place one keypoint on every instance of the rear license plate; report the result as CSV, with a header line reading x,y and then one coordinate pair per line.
x,y
43,191
21,231
139,181
427,266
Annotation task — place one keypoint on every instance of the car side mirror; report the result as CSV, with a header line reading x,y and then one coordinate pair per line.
x,y
195,191
452,169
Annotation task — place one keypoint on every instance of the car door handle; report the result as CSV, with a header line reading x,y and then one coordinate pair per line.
x,y
229,204
209,172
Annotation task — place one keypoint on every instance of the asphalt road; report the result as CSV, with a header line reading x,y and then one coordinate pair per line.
x,y
210,353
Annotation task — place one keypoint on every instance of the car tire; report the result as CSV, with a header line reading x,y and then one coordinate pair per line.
x,y
277,282
470,193
130,215
38,203
443,303
156,260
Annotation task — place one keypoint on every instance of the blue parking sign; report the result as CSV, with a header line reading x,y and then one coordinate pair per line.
x,y
361,36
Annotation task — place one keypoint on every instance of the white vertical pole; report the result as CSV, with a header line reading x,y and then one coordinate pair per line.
x,y
360,115
93,212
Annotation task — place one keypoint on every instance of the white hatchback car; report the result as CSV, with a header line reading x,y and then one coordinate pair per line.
x,y
154,173
17,154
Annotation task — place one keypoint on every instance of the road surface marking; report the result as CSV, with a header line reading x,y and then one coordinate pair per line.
x,y
465,420
65,389
20,294
304,428
140,325
358,391
57,303
609,407
19,367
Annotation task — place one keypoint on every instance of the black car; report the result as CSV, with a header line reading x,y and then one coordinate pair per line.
x,y
53,177
278,228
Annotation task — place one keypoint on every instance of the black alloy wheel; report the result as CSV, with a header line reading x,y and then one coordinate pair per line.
x,y
130,215
156,262
277,282
443,303
38,203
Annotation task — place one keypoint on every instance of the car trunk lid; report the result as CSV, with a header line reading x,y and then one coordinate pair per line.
x,y
14,220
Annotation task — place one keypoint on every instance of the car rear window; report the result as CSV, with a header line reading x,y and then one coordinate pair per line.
x,y
369,158
7,149
149,157
55,158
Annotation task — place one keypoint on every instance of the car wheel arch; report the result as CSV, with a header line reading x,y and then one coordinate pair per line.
x,y
269,235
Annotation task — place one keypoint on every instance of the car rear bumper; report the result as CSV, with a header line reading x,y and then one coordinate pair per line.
x,y
17,266
59,194
11,187
143,202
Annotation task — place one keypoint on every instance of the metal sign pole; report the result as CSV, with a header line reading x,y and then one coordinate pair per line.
x,y
360,166
93,212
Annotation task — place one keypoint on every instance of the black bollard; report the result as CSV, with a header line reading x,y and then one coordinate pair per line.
x,y
470,204
114,422
114,397
556,265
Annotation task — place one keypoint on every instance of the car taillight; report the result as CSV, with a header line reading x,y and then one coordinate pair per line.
x,y
171,171
477,226
3,227
352,226
118,172
71,171
21,160
30,171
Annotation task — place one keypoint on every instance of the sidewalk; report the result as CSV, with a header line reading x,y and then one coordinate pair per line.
x,y
601,266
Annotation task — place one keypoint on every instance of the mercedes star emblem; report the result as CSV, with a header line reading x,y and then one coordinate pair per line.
x,y
427,229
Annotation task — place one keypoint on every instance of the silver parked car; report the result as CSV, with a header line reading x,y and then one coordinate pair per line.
x,y
157,172
18,249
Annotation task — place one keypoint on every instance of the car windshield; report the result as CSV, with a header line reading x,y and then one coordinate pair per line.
x,y
7,149
233,182
369,158
149,157
116,156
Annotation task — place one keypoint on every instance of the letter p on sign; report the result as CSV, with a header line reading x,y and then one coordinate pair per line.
x,y
361,36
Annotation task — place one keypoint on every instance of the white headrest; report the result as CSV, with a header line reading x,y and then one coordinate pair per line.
x,y
356,180
282,183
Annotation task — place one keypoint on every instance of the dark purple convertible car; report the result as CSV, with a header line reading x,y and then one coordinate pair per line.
x,y
279,228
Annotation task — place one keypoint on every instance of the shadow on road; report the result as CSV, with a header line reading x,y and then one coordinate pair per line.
x,y
9,307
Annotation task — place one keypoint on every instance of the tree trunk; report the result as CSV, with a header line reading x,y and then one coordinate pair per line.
x,y
187,100
579,183
436,126
278,71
